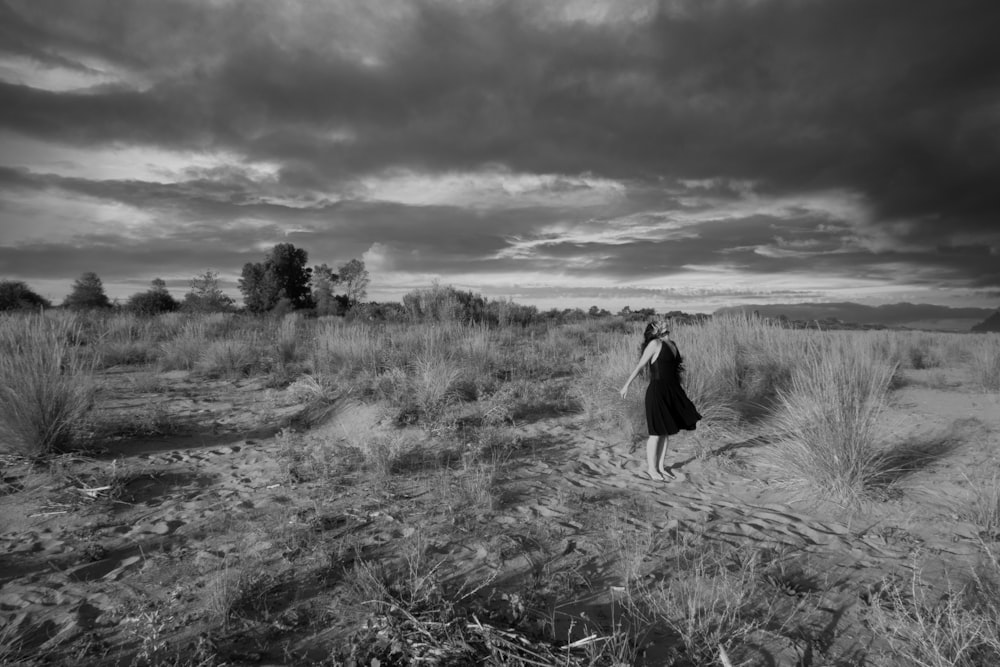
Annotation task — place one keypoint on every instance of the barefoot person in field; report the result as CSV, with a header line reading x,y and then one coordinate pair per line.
x,y
668,408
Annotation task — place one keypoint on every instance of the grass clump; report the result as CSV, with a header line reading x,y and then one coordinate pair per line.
x,y
828,419
433,386
46,386
240,591
717,599
235,357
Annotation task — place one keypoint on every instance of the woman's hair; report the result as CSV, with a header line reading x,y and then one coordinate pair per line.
x,y
652,331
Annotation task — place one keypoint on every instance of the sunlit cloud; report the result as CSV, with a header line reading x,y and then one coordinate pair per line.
x,y
489,188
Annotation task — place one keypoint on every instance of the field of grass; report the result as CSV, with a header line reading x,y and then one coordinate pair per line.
x,y
224,490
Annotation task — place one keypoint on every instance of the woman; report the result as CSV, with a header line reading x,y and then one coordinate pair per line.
x,y
668,409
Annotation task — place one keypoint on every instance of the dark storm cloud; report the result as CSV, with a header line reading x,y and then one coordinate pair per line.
x,y
117,259
896,100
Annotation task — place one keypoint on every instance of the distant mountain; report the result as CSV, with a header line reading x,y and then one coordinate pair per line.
x,y
991,323
910,315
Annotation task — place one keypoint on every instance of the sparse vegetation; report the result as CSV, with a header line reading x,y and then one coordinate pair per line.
x,y
958,627
434,490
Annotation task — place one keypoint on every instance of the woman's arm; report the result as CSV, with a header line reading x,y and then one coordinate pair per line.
x,y
647,354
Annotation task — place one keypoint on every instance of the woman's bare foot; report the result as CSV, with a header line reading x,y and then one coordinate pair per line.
x,y
655,476
667,473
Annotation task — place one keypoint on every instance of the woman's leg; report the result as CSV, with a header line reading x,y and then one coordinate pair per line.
x,y
661,452
652,446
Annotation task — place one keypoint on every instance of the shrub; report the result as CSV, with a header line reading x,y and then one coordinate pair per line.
x,y
153,302
16,295
46,389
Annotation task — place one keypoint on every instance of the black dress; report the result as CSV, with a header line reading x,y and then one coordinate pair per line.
x,y
668,408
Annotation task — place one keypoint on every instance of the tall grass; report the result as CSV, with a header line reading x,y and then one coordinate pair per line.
x,y
46,387
600,379
287,337
985,357
181,351
347,350
828,418
734,368
737,365
233,357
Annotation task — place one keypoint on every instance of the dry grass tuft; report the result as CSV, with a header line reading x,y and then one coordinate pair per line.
x,y
240,591
46,386
829,419
432,386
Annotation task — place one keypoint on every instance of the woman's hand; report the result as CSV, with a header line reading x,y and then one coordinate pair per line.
x,y
624,391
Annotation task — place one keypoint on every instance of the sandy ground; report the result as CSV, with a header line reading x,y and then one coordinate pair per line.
x,y
91,580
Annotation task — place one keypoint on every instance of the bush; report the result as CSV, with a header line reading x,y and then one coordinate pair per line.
x,y
16,295
154,302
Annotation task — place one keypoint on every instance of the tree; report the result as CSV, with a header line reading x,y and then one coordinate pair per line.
x,y
206,296
991,323
87,293
16,295
283,275
323,282
598,312
154,301
260,290
354,278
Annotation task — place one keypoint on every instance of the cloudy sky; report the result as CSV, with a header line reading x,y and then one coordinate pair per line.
x,y
675,154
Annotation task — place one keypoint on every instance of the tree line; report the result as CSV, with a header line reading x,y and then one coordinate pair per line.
x,y
281,282
284,282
